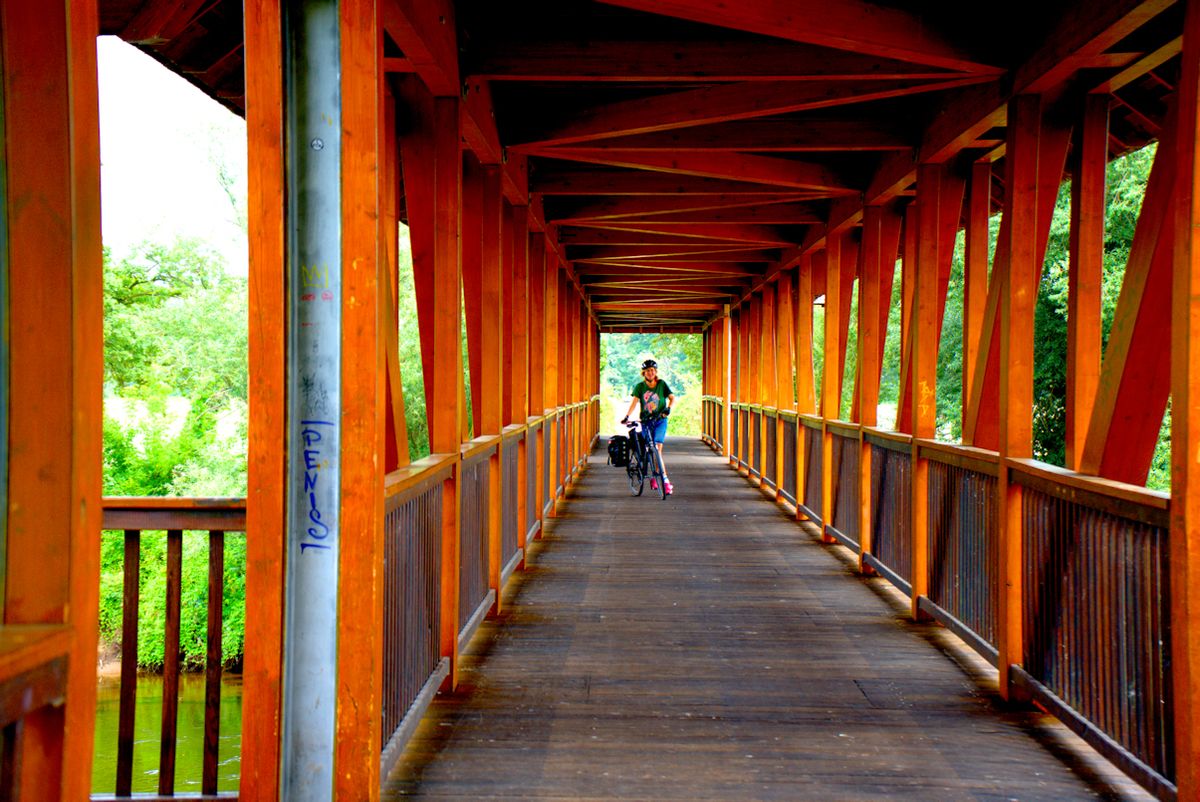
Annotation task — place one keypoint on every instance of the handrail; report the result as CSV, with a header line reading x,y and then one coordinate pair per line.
x,y
175,515
811,421
401,482
896,441
967,457
1124,500
173,512
844,428
475,450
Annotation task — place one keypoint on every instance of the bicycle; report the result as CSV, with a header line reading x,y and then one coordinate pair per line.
x,y
644,459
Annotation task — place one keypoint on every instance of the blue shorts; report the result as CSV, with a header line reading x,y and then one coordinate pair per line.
x,y
657,430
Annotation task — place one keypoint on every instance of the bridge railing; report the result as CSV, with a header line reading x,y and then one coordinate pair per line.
x,y
1093,591
130,519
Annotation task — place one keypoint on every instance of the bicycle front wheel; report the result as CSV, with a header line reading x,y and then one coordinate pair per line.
x,y
656,470
636,478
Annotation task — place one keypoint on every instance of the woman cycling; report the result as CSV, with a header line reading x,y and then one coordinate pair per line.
x,y
656,399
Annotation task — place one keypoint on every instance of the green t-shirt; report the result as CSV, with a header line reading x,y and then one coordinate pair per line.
x,y
652,398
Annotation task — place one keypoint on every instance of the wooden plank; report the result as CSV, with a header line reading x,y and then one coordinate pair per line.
x,y
725,103
805,389
1085,273
357,715
266,463
1185,417
858,27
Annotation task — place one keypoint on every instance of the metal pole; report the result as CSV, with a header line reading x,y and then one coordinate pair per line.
x,y
312,70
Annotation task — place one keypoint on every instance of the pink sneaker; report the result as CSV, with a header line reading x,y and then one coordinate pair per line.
x,y
654,484
668,486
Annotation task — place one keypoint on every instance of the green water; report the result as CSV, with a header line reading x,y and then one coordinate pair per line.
x,y
189,750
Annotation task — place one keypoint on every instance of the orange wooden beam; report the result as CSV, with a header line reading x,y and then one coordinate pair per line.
x,y
1018,278
727,102
1184,538
770,136
1134,381
852,25
358,715
266,462
598,183
1089,163
621,208
975,272
54,337
665,61
425,31
769,170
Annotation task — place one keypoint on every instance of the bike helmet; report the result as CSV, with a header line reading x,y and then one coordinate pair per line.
x,y
649,363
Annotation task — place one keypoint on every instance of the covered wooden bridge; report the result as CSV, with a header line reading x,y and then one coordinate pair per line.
x,y
573,168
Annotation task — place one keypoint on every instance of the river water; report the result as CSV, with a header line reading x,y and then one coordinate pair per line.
x,y
189,750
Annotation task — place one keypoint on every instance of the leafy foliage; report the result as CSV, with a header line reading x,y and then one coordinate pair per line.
x,y
680,360
175,424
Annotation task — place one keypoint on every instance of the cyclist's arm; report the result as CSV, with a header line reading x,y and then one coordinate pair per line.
x,y
670,400
633,403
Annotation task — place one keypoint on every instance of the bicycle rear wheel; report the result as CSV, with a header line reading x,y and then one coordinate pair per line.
x,y
656,470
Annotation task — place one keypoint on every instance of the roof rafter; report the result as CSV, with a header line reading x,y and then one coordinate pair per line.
x,y
852,25
725,102
669,61
732,166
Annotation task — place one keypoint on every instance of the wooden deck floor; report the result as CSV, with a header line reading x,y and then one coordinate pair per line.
x,y
706,647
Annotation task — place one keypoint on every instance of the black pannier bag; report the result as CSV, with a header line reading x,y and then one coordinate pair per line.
x,y
618,450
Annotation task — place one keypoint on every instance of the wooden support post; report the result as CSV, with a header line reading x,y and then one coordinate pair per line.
x,y
52,323
553,361
1086,273
975,273
1016,365
831,381
725,390
360,587
266,462
1185,422
519,378
881,236
472,270
537,361
444,393
924,325
785,362
492,377
770,386
1134,380
396,454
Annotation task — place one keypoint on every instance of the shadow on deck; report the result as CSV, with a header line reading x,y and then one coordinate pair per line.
x,y
707,647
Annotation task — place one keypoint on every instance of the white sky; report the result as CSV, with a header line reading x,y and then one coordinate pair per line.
x,y
161,143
